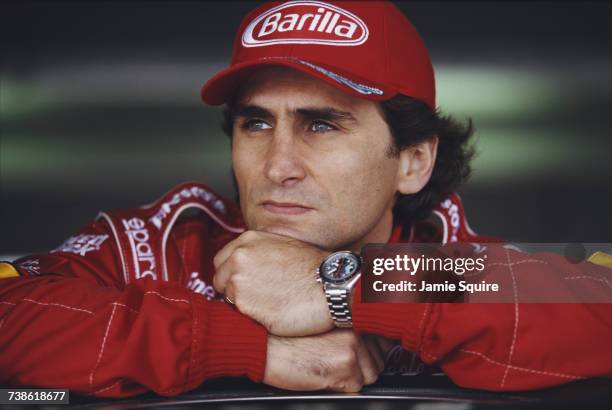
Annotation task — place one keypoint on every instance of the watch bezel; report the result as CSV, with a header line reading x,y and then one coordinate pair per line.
x,y
343,280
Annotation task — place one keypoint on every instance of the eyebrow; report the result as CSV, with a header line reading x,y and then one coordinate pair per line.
x,y
322,113
243,110
325,113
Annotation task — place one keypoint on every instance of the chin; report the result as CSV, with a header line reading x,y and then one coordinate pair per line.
x,y
292,233
285,231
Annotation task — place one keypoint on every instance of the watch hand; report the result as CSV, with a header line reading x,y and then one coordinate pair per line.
x,y
339,268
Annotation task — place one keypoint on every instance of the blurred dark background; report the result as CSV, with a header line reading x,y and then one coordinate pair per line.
x,y
100,109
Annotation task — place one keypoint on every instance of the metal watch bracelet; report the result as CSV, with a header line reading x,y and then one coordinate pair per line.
x,y
339,308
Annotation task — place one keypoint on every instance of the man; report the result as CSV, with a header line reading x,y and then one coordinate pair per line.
x,y
335,144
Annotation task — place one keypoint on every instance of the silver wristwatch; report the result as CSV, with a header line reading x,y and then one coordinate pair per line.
x,y
339,273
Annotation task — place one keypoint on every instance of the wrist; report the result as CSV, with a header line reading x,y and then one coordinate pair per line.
x,y
322,308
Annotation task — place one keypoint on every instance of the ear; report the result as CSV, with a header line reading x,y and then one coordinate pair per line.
x,y
416,164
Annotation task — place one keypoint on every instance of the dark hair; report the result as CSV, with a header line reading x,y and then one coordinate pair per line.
x,y
411,122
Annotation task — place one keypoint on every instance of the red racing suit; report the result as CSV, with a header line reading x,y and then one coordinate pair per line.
x,y
127,306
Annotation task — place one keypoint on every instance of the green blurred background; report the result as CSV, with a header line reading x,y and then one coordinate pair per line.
x,y
99,109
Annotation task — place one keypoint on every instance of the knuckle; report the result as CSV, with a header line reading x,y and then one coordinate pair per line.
x,y
237,299
339,387
347,359
233,283
370,378
354,387
249,235
217,283
216,259
240,255
350,385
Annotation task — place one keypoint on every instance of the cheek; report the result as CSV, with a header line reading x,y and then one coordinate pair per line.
x,y
243,164
363,184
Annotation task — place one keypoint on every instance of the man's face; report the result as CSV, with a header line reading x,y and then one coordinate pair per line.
x,y
312,162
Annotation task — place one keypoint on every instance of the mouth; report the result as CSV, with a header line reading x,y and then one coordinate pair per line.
x,y
285,208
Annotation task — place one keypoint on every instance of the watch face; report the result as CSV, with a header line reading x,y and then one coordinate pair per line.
x,y
340,266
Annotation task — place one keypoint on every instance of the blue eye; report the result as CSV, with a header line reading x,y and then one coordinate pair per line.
x,y
256,125
320,127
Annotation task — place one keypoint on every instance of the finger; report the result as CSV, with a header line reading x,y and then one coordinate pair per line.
x,y
221,278
223,269
225,252
352,385
367,364
245,238
345,373
230,294
353,380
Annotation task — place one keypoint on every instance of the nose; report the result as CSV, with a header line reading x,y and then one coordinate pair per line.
x,y
284,164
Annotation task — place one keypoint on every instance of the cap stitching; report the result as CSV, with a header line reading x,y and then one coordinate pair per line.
x,y
359,87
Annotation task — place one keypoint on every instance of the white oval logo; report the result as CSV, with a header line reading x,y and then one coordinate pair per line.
x,y
305,22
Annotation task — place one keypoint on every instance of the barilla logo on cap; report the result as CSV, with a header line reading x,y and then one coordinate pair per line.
x,y
305,22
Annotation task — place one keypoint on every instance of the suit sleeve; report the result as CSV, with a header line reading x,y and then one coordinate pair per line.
x,y
507,346
68,320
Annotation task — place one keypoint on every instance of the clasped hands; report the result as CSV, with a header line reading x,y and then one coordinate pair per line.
x,y
273,279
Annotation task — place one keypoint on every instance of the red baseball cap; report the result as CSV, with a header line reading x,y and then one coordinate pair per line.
x,y
365,48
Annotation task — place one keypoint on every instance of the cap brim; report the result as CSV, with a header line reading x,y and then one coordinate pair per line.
x,y
221,87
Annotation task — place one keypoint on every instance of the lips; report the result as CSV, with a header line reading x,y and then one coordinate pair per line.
x,y
285,208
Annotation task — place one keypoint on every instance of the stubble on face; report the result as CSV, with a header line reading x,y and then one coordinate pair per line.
x,y
333,187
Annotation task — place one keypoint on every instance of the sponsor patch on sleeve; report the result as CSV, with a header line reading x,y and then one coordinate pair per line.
x,y
82,244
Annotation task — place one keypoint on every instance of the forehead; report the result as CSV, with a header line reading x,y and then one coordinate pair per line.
x,y
289,88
